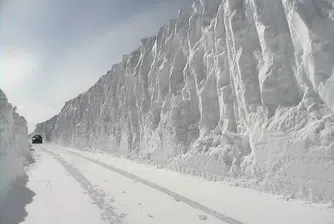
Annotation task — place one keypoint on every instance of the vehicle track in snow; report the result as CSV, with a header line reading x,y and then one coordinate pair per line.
x,y
107,212
177,197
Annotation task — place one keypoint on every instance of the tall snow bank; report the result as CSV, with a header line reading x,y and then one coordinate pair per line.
x,y
226,90
14,147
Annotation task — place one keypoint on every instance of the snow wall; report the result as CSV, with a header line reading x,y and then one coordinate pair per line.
x,y
240,90
14,146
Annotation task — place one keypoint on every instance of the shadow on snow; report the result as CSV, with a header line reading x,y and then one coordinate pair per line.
x,y
12,209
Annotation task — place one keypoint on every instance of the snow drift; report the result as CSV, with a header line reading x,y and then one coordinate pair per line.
x,y
14,147
238,90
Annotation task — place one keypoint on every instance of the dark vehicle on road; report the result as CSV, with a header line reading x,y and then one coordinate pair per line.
x,y
37,139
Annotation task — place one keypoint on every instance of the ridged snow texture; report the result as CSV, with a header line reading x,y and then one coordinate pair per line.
x,y
240,89
14,147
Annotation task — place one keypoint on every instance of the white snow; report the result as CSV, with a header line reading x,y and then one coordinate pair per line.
x,y
59,198
230,89
14,147
140,193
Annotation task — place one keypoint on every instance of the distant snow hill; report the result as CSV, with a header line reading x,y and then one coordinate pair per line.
x,y
230,89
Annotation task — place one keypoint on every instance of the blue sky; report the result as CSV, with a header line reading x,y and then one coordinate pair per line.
x,y
51,51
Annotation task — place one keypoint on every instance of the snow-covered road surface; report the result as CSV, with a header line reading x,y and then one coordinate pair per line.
x,y
73,186
59,197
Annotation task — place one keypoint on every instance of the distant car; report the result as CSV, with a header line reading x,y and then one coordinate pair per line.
x,y
37,139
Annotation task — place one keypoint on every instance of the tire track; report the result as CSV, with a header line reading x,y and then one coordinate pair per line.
x,y
108,214
178,197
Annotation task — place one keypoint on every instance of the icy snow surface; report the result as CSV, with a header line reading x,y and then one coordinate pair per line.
x,y
59,199
240,90
14,147
128,192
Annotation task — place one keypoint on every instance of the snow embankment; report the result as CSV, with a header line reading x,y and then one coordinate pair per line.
x,y
226,91
14,147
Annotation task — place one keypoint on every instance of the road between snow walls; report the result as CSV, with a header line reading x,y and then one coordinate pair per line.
x,y
226,91
14,156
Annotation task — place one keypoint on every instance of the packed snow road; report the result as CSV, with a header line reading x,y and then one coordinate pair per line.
x,y
117,195
73,186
